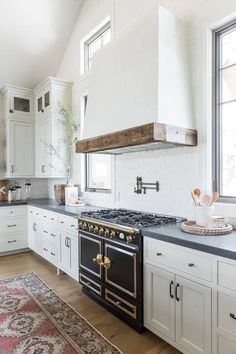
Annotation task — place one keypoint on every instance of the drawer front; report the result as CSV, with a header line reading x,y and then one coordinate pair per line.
x,y
227,275
35,211
227,312
49,252
91,284
121,304
13,211
50,233
190,263
69,223
50,217
12,225
12,242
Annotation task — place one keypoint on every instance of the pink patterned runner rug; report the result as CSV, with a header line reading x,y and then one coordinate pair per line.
x,y
34,320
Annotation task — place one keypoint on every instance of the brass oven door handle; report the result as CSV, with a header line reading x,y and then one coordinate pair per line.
x,y
106,263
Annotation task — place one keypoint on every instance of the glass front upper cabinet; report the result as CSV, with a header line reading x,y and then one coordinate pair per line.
x,y
20,105
43,102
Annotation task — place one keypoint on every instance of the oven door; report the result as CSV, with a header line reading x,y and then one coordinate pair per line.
x,y
90,248
122,273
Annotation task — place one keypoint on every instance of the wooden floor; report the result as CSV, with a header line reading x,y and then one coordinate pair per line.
x,y
121,335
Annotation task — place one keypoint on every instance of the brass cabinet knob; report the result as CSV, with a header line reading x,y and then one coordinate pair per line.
x,y
129,238
101,231
112,234
107,232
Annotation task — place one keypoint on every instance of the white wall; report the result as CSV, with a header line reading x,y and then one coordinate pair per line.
x,y
177,170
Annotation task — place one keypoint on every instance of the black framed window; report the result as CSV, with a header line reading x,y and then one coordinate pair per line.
x,y
224,117
98,170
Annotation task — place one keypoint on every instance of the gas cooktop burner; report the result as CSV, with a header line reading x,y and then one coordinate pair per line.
x,y
130,218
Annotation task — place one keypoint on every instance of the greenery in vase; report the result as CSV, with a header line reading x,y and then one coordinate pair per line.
x,y
67,140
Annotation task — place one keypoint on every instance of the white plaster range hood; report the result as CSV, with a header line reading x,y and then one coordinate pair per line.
x,y
139,90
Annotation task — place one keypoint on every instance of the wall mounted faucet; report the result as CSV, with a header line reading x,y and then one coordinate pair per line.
x,y
141,187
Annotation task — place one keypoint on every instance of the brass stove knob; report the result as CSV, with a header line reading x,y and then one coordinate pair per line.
x,y
84,225
107,232
112,234
80,224
129,239
91,228
101,231
96,228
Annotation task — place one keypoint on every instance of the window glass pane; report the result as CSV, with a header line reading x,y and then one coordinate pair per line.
x,y
228,45
228,149
106,37
99,171
228,79
99,39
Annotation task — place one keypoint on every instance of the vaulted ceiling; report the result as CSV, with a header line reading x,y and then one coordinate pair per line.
x,y
33,38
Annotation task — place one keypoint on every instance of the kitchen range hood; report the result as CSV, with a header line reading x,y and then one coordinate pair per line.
x,y
139,89
151,136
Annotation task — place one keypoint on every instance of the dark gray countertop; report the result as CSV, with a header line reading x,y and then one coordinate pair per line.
x,y
51,205
224,246
17,202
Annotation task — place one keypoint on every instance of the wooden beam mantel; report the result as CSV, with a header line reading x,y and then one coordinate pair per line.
x,y
151,133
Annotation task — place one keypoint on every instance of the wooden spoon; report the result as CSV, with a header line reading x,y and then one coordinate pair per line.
x,y
195,198
214,198
206,199
197,193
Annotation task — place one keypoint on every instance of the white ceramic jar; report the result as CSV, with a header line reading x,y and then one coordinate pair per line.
x,y
203,214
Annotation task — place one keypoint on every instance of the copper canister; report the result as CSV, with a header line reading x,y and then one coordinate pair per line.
x,y
4,186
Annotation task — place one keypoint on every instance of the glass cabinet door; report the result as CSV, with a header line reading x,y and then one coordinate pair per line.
x,y
21,104
40,104
46,99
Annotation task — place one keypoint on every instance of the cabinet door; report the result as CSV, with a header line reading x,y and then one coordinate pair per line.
x,y
225,345
68,260
43,137
159,302
32,234
65,251
21,149
193,316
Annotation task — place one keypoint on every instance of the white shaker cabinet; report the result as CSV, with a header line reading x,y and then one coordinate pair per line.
x,y
159,304
43,158
177,307
21,149
51,93
18,132
68,259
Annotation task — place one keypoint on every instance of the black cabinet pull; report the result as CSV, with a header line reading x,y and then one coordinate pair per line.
x,y
232,315
13,225
176,292
159,254
45,249
53,254
46,232
191,265
11,241
66,241
171,295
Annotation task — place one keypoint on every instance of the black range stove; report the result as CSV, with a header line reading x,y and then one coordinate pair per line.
x,y
111,259
130,218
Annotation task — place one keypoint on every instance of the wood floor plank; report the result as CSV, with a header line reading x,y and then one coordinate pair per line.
x,y
116,331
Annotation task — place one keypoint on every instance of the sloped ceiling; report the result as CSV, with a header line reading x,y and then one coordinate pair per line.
x,y
33,37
